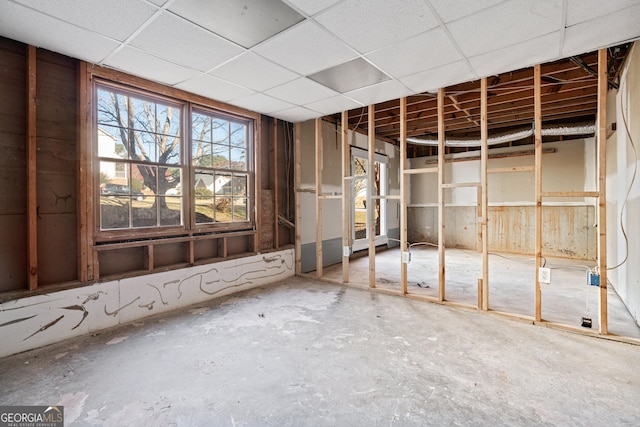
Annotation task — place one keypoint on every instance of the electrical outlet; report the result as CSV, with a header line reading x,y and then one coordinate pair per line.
x,y
346,251
594,279
406,257
544,275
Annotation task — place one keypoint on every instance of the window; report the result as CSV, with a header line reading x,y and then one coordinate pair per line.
x,y
161,169
360,210
220,148
139,149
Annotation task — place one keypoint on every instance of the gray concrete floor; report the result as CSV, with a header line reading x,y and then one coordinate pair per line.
x,y
310,353
511,284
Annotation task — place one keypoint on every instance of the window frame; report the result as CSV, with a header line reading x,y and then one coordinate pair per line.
x,y
249,123
187,105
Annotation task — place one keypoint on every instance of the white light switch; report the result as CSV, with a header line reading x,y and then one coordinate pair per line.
x,y
406,257
346,251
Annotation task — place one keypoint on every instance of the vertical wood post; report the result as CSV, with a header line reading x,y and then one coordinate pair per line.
x,y
276,187
346,199
257,131
441,199
296,186
370,205
85,182
32,213
602,189
485,193
538,184
403,193
319,167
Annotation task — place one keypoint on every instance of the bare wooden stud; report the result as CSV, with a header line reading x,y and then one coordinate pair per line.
x,y
512,169
32,214
297,172
257,193
441,201
602,189
484,134
346,197
538,185
276,187
370,205
570,194
319,165
85,198
403,193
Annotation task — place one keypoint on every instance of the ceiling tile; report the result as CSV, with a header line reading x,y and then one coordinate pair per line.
x,y
451,10
311,7
371,24
214,88
301,91
181,42
508,23
432,80
585,10
334,105
261,103
159,2
419,53
305,49
604,32
529,53
141,64
297,114
378,93
246,23
104,17
69,39
350,75
242,71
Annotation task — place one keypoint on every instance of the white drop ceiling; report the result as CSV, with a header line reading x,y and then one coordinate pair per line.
x,y
301,59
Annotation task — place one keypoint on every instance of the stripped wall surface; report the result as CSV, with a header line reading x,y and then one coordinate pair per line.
x,y
34,321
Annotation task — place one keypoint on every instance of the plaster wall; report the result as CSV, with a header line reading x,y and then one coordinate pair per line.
x,y
35,321
624,209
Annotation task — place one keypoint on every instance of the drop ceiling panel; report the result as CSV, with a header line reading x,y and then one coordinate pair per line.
x,y
69,40
139,63
305,49
214,88
372,24
450,10
104,17
585,10
351,75
517,56
508,23
311,7
419,53
297,114
430,81
261,102
607,31
335,104
384,91
301,91
242,71
176,40
246,22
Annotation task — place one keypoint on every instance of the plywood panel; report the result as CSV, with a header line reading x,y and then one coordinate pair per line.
x,y
57,168
13,188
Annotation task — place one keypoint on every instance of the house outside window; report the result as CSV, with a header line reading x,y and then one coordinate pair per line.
x,y
163,168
